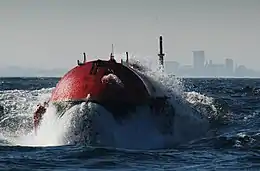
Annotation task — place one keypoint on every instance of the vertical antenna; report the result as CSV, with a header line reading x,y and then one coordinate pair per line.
x,y
84,57
161,54
112,53
126,57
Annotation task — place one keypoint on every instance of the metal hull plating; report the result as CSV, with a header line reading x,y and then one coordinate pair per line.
x,y
116,86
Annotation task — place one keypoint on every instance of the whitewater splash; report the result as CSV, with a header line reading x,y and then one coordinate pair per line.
x,y
140,131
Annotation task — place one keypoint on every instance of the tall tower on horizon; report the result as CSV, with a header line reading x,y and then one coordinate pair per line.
x,y
229,64
161,54
198,61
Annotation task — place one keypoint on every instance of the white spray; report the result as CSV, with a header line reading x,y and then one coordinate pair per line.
x,y
139,131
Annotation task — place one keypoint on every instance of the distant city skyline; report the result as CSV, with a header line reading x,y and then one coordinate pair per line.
x,y
203,66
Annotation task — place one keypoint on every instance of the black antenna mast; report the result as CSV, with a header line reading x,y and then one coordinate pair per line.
x,y
112,54
161,54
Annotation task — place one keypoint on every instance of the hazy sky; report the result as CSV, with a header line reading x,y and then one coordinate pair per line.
x,y
54,33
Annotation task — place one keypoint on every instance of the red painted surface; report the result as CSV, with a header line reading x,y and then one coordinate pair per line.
x,y
93,78
97,79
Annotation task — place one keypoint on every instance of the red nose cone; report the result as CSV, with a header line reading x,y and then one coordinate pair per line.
x,y
104,81
76,84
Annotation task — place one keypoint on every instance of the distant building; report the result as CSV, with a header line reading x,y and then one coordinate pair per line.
x,y
241,71
210,62
172,67
229,64
186,70
198,62
217,70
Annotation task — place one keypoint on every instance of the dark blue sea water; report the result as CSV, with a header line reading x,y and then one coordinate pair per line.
x,y
232,141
